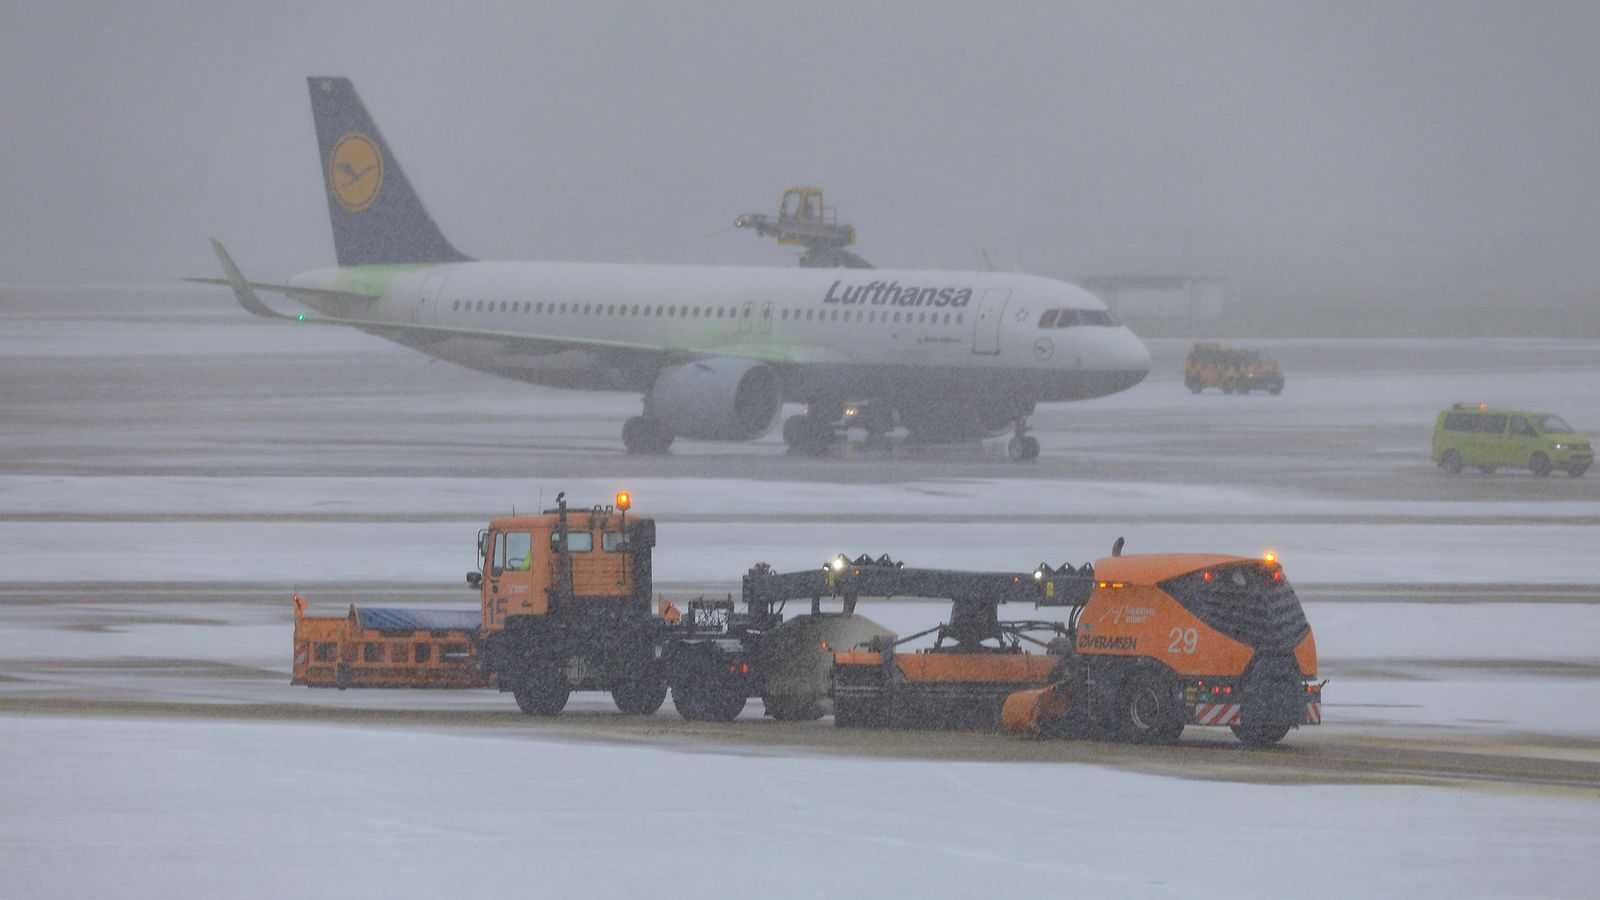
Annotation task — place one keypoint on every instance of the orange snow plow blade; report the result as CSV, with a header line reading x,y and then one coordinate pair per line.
x,y
1024,710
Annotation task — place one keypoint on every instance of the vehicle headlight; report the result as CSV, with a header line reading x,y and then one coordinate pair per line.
x,y
1563,446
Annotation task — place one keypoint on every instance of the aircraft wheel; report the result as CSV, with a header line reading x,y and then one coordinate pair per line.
x,y
807,435
1539,465
1023,449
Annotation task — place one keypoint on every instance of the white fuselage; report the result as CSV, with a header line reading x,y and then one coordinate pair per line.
x,y
835,331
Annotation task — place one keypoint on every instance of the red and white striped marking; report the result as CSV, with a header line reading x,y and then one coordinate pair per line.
x,y
1313,713
1217,713
302,652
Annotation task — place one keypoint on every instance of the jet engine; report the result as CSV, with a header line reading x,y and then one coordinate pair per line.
x,y
716,399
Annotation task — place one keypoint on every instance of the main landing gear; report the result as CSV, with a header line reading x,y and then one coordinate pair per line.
x,y
1023,447
646,436
809,435
815,432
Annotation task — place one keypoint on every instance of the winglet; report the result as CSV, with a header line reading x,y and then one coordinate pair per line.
x,y
242,291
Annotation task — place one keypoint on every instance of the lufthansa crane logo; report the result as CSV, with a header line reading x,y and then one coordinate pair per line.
x,y
355,171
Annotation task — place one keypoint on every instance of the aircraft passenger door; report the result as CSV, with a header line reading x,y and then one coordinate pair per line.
x,y
986,324
747,317
764,319
428,297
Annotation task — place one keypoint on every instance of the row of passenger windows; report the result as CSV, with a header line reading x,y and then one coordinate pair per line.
x,y
1067,318
604,309
710,312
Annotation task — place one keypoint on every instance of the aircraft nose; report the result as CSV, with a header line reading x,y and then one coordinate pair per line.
x,y
1131,354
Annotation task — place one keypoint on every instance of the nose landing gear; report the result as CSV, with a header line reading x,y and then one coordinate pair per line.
x,y
1023,447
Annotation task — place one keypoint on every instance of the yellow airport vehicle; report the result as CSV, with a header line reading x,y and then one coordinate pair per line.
x,y
1234,370
1488,439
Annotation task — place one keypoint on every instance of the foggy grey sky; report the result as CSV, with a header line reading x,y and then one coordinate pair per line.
x,y
1314,152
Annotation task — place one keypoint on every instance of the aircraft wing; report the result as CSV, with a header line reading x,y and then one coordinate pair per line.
x,y
416,333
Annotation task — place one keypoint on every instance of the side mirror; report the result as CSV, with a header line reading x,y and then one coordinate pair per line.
x,y
475,579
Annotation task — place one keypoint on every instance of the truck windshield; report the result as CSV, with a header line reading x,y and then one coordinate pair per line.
x,y
1551,424
513,550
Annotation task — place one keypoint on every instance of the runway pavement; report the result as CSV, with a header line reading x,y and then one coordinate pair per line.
x,y
180,381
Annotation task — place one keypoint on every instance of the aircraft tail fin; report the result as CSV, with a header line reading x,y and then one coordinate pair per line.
x,y
377,217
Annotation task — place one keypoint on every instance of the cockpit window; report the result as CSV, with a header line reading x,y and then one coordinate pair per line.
x,y
1067,319
1097,317
1048,320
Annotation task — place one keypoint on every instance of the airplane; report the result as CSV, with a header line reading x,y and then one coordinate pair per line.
x,y
715,351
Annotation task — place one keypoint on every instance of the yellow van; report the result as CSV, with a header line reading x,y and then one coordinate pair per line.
x,y
1490,438
1234,370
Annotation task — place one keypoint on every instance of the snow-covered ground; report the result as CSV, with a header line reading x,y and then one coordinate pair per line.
x,y
138,808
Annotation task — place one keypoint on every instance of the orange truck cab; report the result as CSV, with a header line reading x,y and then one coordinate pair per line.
x,y
1171,640
566,605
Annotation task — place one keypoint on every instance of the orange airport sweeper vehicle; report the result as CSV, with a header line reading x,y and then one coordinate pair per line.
x,y
1149,645
1169,640
1152,643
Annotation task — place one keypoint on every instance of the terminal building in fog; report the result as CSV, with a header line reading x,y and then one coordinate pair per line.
x,y
1166,297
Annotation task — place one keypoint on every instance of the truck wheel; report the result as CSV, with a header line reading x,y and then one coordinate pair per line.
x,y
1539,465
545,697
1193,385
1577,470
1451,462
1261,735
1149,711
541,700
1276,391
640,697
708,700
